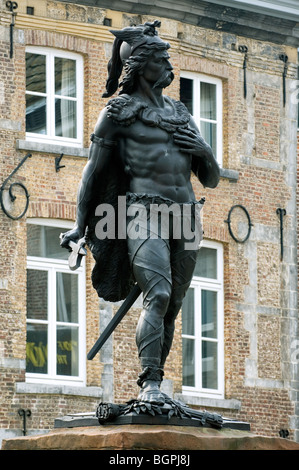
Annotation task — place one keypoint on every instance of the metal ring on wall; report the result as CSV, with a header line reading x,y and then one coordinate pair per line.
x,y
228,221
13,198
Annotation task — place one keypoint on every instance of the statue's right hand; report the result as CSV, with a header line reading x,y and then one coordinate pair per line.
x,y
72,235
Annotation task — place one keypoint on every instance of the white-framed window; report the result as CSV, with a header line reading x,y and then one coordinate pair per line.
x,y
202,326
202,95
54,96
55,346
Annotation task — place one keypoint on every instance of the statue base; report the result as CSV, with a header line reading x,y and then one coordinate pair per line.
x,y
164,441
142,426
172,413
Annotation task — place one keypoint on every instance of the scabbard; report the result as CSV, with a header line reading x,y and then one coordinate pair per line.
x,y
126,305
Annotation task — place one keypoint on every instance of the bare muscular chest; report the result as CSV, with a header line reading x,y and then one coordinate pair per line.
x,y
146,149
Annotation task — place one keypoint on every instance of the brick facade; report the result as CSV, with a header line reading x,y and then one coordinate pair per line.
x,y
260,289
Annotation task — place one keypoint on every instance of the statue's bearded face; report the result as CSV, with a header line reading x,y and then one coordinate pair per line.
x,y
158,70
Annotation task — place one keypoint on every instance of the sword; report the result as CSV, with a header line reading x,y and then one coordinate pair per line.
x,y
126,305
77,252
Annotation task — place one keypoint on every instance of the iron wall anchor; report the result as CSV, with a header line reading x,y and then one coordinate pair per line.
x,y
57,163
281,213
24,413
10,192
12,6
244,50
285,59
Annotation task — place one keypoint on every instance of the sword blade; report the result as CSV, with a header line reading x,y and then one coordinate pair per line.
x,y
126,305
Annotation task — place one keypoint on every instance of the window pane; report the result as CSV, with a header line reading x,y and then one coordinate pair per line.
x,y
65,118
188,362
37,349
207,101
209,132
65,77
186,93
209,365
37,294
67,350
206,263
209,313
67,297
35,72
188,313
43,241
36,114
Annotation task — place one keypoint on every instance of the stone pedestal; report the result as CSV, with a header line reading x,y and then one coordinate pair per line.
x,y
139,437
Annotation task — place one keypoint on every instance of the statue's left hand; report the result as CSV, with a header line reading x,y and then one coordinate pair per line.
x,y
191,142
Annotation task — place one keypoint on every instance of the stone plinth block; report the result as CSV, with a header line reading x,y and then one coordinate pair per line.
x,y
148,437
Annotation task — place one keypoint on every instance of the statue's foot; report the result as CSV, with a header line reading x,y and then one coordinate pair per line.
x,y
150,393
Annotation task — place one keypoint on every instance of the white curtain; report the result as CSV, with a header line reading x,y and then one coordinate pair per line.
x,y
68,107
61,303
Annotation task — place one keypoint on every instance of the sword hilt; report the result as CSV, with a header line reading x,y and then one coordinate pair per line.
x,y
77,252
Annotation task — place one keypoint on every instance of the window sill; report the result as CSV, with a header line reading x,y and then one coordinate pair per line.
x,y
206,402
232,175
52,148
26,387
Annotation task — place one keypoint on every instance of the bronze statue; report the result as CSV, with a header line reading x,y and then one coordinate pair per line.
x,y
144,147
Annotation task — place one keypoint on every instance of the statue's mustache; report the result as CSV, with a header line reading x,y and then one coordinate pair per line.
x,y
164,79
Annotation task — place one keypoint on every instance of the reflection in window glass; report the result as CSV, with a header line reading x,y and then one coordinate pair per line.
x,y
65,118
67,297
209,313
65,77
209,365
67,350
188,313
37,348
36,114
188,362
43,241
208,101
36,73
209,132
186,93
37,294
206,264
